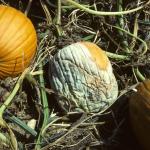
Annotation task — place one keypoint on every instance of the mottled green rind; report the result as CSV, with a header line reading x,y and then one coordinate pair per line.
x,y
80,84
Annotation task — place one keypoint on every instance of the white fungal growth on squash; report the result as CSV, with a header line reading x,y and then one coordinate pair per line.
x,y
81,75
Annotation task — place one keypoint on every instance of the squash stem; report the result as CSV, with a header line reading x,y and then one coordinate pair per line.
x,y
120,23
59,13
28,7
45,108
44,98
105,13
58,21
116,56
135,33
4,139
139,74
13,93
132,35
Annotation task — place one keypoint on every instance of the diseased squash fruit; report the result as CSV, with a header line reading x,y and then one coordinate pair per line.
x,y
139,110
82,77
17,42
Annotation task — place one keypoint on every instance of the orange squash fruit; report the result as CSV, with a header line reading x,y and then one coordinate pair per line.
x,y
18,42
139,110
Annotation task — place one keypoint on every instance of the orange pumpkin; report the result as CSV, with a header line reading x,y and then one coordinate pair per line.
x,y
18,41
139,108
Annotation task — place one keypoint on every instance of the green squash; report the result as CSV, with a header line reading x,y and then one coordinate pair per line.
x,y
81,75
